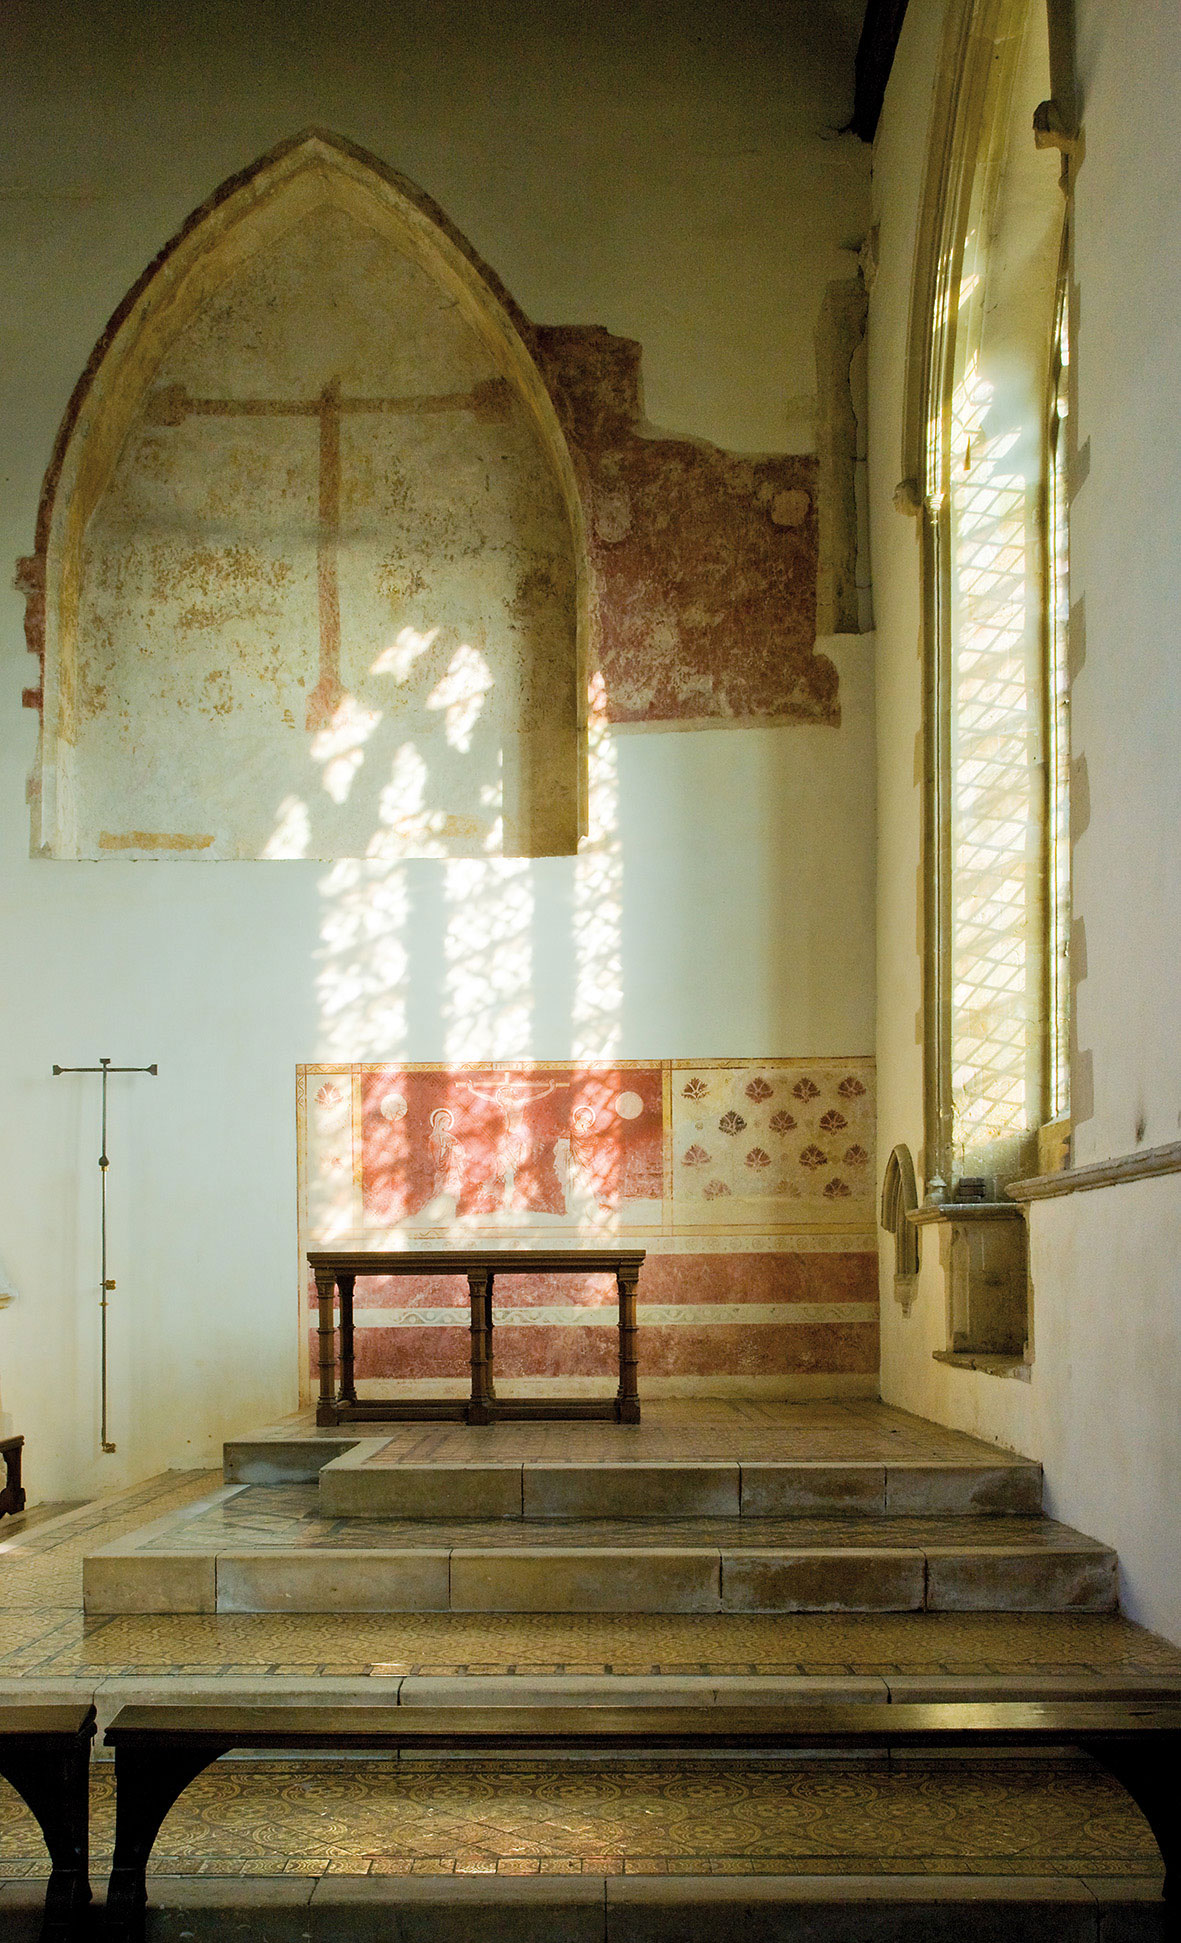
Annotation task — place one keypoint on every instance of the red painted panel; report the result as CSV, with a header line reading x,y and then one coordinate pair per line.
x,y
686,1347
703,562
438,1145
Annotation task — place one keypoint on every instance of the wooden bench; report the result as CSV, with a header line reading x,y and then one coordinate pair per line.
x,y
12,1494
159,1750
45,1754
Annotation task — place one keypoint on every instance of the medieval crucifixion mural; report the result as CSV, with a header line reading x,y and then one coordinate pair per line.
x,y
749,1183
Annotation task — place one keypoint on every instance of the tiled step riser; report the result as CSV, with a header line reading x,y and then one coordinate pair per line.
x,y
640,1579
350,1488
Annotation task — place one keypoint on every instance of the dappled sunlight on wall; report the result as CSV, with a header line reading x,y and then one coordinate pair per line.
x,y
488,952
364,958
598,892
450,953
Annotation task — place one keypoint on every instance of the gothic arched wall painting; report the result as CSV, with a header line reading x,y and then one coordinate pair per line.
x,y
326,596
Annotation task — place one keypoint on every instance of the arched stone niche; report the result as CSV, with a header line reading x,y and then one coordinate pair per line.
x,y
310,573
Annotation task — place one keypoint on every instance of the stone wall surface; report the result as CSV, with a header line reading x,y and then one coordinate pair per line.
x,y
669,175
1099,1408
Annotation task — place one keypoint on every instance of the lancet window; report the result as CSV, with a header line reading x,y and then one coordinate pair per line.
x,y
987,474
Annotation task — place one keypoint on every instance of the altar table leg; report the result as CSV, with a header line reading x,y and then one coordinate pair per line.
x,y
348,1381
326,1412
479,1283
627,1403
489,1344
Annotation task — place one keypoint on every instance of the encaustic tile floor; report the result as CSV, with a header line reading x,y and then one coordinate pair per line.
x,y
646,1817
528,1817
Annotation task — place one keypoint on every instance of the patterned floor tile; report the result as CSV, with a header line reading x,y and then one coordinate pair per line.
x,y
648,1817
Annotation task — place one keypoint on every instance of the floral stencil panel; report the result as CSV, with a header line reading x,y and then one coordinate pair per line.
x,y
790,1143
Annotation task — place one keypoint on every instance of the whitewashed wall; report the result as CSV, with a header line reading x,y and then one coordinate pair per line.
x,y
668,172
1102,1408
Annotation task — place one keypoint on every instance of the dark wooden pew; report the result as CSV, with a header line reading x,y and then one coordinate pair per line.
x,y
12,1492
159,1750
45,1754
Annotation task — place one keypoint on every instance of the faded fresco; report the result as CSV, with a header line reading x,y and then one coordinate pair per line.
x,y
750,1185
703,562
334,541
328,599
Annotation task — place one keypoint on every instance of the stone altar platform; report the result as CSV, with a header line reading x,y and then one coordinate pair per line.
x,y
892,1846
713,1506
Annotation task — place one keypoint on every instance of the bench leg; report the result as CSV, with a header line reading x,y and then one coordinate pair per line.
x,y
147,1783
12,1497
1152,1776
55,1784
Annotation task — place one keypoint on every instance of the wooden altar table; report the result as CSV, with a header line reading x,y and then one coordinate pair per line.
x,y
338,1269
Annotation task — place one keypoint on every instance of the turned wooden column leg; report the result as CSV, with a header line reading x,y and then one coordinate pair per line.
x,y
489,1344
326,1412
348,1382
627,1403
479,1288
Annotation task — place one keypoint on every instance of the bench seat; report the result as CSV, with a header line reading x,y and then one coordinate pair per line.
x,y
160,1749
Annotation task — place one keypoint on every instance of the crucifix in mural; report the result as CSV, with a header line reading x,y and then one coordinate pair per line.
x,y
338,509
172,404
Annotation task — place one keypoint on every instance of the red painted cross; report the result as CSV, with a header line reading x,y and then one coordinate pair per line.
x,y
171,405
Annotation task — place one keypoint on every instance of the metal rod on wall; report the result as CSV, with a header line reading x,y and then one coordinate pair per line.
x,y
105,1283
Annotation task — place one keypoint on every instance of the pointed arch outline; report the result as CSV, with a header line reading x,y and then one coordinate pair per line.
x,y
245,212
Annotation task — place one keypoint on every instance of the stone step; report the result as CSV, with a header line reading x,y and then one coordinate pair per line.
x,y
254,1549
357,1483
636,1907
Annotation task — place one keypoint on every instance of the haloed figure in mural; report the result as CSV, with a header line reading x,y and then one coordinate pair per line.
x,y
449,1158
574,1167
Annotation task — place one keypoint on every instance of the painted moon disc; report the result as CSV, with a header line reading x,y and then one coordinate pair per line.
x,y
393,1107
629,1106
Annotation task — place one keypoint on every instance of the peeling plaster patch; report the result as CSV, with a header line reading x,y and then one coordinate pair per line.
x,y
30,581
151,840
703,562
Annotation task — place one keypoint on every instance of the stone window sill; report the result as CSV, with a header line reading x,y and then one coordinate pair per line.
x,y
961,1211
986,1363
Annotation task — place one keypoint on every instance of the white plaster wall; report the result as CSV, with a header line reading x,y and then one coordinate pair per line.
x,y
662,170
1102,1409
